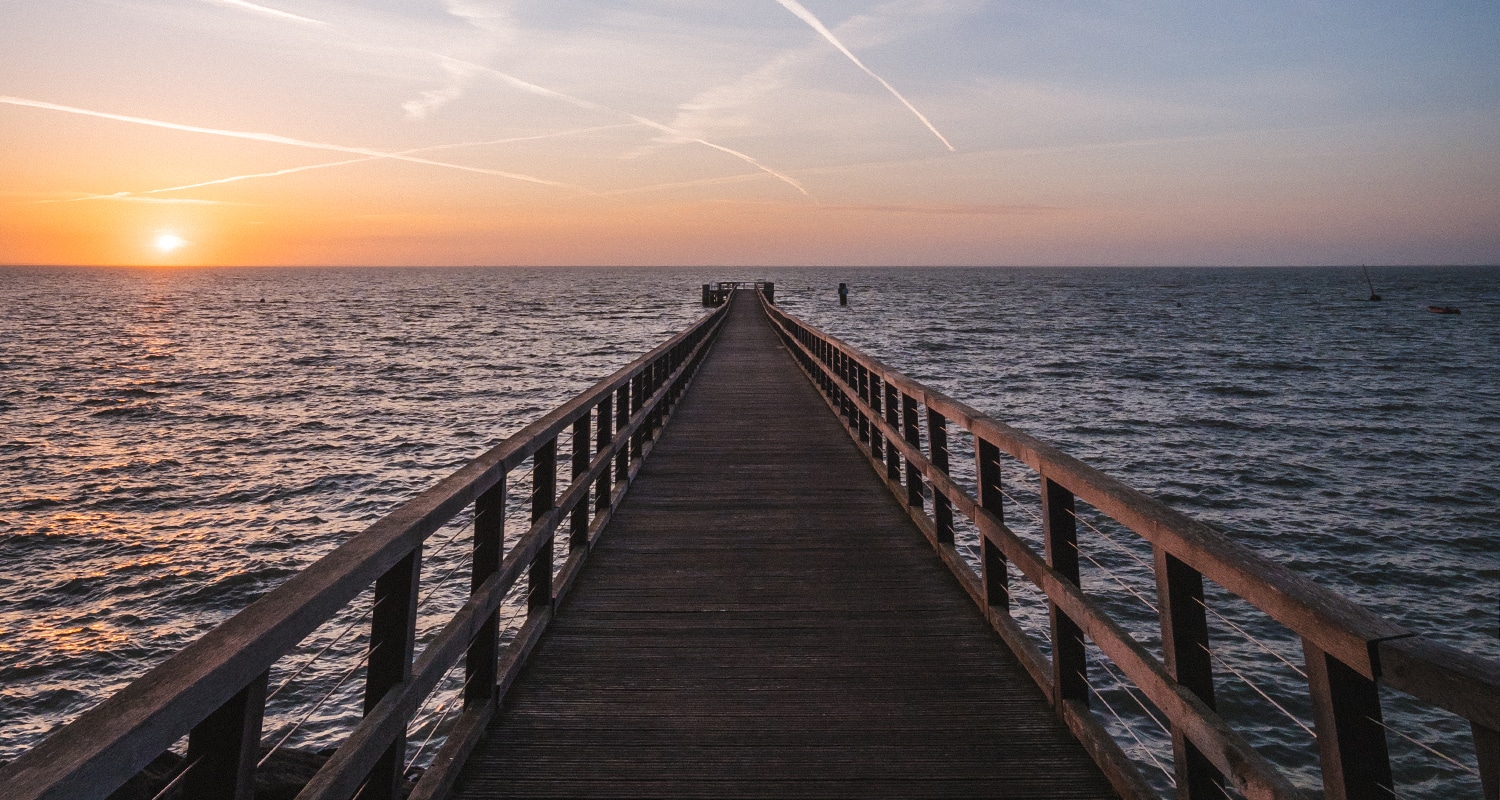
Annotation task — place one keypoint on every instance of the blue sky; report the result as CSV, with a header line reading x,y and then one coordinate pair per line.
x,y
682,131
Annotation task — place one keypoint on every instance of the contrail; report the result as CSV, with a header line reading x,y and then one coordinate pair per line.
x,y
267,11
543,91
277,139
807,16
328,164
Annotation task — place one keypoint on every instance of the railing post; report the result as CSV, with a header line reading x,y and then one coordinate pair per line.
x,y
877,439
1185,653
603,433
1351,742
579,533
392,635
543,498
993,570
1487,749
622,419
1060,533
481,660
863,389
937,451
637,399
893,419
913,431
223,749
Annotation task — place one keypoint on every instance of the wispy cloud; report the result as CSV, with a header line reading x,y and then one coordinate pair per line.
x,y
460,75
676,134
807,16
329,164
270,12
978,209
284,140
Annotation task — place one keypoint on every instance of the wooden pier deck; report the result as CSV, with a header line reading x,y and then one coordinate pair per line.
x,y
762,619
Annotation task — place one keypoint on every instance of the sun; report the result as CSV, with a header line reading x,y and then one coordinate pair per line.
x,y
169,242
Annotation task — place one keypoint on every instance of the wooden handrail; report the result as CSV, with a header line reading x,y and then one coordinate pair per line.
x,y
1349,650
108,744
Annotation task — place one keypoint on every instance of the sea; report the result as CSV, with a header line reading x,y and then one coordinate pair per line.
x,y
176,442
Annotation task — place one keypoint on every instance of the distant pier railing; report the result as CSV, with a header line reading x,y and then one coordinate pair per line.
x,y
1349,653
214,691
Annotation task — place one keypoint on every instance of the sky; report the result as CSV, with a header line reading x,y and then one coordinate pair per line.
x,y
754,132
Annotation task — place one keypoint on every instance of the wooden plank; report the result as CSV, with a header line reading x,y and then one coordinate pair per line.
x,y
763,620
1337,625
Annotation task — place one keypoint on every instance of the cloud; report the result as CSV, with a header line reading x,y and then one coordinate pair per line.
x,y
677,135
460,75
330,164
978,209
270,12
278,139
807,16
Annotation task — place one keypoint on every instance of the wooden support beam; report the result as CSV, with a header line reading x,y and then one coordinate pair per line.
x,y
543,500
603,434
1186,656
1351,741
994,574
1060,532
937,453
392,636
223,749
892,418
578,523
489,552
912,431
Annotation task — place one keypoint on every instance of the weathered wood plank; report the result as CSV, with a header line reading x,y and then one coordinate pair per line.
x,y
763,620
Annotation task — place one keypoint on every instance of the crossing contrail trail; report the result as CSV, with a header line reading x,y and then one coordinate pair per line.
x,y
278,139
543,91
271,12
817,25
328,164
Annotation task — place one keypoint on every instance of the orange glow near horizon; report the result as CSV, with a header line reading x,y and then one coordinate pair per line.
x,y
406,137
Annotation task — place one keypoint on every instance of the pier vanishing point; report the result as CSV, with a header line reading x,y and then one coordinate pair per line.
x,y
757,562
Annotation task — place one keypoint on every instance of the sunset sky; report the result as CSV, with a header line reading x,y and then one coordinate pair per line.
x,y
750,132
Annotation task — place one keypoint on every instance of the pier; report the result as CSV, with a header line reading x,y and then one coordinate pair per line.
x,y
761,563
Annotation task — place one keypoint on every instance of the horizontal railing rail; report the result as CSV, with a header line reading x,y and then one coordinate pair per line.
x,y
214,691
1349,653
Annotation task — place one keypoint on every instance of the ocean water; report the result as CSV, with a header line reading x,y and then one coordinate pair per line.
x,y
173,443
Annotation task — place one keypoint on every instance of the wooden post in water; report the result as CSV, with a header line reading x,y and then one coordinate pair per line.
x,y
843,294
1185,654
480,663
1060,532
993,571
393,634
1351,742
223,749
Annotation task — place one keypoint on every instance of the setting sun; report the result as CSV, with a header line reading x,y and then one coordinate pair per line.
x,y
168,242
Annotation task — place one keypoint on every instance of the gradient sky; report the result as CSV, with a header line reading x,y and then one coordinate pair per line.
x,y
749,132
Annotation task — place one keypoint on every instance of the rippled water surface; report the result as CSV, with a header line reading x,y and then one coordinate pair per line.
x,y
175,443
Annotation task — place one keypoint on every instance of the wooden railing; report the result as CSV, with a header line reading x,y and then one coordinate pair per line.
x,y
214,691
1349,652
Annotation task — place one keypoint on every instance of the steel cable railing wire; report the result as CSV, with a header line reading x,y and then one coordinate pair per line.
x,y
1125,686
1130,729
308,715
176,779
1289,715
1429,748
